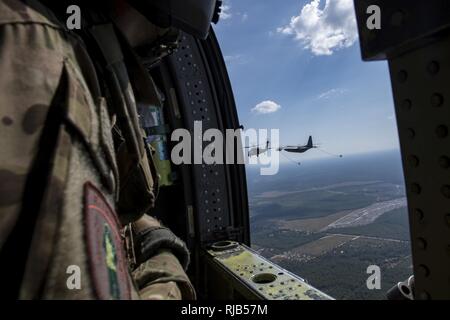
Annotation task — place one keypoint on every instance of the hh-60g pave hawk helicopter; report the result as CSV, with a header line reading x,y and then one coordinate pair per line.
x,y
257,150
212,213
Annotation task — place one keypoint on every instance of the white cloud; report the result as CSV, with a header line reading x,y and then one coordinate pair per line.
x,y
331,93
326,30
226,12
266,106
236,59
231,58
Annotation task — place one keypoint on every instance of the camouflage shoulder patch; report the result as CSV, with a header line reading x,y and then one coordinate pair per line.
x,y
106,255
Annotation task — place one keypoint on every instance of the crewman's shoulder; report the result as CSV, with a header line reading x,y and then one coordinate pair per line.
x,y
31,11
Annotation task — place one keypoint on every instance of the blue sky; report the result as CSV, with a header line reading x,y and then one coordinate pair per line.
x,y
311,68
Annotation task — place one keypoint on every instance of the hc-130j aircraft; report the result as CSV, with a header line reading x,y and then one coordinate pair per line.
x,y
257,150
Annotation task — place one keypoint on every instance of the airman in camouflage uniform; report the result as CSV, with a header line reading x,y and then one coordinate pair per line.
x,y
60,176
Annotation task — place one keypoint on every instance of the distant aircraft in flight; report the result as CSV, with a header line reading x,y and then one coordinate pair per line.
x,y
257,150
299,149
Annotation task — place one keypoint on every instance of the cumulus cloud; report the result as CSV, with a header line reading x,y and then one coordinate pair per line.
x,y
267,106
226,12
326,30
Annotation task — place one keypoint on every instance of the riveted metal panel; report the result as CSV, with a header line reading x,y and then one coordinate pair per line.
x,y
405,24
254,277
198,103
421,86
414,37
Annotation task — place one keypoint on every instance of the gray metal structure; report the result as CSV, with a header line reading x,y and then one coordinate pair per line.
x,y
415,39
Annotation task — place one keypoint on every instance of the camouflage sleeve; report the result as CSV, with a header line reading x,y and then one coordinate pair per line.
x,y
162,278
160,275
57,186
26,88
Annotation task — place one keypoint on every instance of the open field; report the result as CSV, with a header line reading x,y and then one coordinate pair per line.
x,y
391,225
322,202
368,214
312,224
322,245
343,219
277,193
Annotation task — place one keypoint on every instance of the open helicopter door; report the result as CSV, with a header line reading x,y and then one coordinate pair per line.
x,y
207,205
